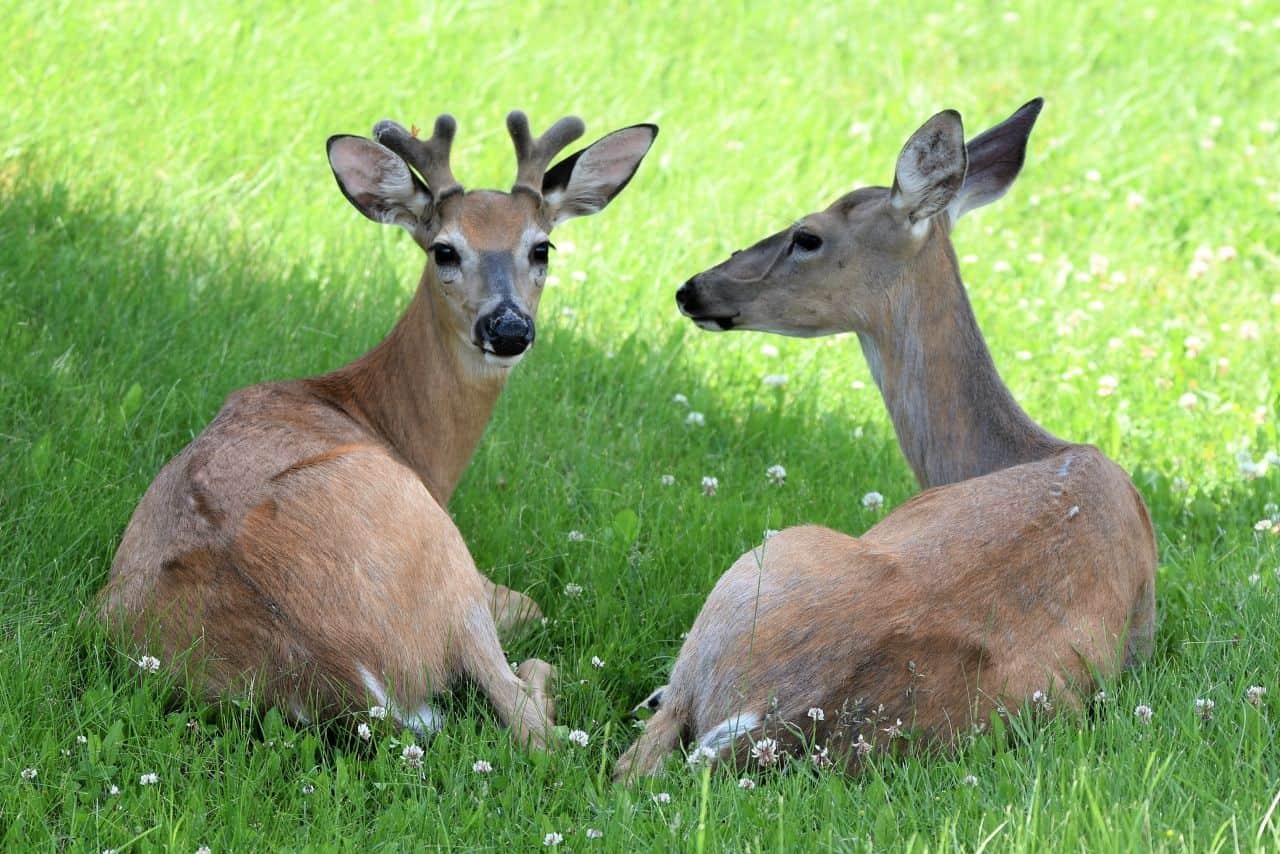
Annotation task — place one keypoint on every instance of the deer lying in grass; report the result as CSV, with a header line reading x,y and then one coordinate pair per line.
x,y
1026,566
300,548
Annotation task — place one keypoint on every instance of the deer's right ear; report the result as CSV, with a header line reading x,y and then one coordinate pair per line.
x,y
377,182
995,159
930,169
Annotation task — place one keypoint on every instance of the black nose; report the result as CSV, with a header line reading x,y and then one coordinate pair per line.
x,y
686,297
506,332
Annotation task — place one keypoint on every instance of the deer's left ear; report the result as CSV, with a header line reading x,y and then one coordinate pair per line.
x,y
377,182
995,159
583,183
930,169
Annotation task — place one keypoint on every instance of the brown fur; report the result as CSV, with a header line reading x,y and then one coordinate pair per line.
x,y
1027,564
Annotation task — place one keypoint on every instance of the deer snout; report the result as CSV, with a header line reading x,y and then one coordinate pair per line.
x,y
687,296
506,331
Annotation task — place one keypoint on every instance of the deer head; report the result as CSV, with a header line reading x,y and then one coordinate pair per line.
x,y
842,269
487,250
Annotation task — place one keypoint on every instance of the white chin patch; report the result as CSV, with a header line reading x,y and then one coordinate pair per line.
x,y
503,361
709,325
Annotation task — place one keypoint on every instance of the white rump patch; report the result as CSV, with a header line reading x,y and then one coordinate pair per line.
x,y
726,732
423,720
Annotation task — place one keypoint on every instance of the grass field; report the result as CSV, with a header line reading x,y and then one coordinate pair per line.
x,y
170,231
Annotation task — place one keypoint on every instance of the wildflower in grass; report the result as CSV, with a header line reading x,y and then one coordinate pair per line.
x,y
1227,253
1192,345
1133,201
576,536
149,779
1254,695
595,833
308,788
700,756
777,475
113,790
1188,401
1023,355
1041,701
1002,266
775,380
970,780
1180,484
1107,385
552,839
662,798
573,591
1254,578
578,276
695,419
377,712
412,755
364,732
579,737
894,730
1263,525
769,350
765,751
481,766
597,662
680,400
204,849
710,485
1204,708
1143,713
873,501
30,773
820,759
148,664
193,724
668,480
1100,697
862,747
81,739
816,714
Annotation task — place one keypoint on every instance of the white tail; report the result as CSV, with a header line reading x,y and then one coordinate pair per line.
x,y
1027,567
300,546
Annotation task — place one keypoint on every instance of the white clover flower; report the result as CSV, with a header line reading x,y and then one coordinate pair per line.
x,y
481,766
1188,401
578,276
765,751
777,475
1204,707
552,839
576,536
1023,355
148,664
82,739
662,798
702,755
862,747
572,590
579,737
1100,697
1192,345
680,400
816,714
204,849
1254,695
820,759
1255,578
30,773
1093,176
894,730
595,833
412,755
149,779
746,783
668,480
113,790
769,350
710,485
1133,201
597,662
364,732
377,713
1107,385
1263,525
873,501
695,419
1227,253
775,380
308,788
1143,713
1041,701
1180,484
970,780
1002,267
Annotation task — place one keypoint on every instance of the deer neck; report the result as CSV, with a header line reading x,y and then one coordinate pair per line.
x,y
423,391
954,416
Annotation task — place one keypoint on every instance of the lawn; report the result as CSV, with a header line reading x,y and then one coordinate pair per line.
x,y
170,231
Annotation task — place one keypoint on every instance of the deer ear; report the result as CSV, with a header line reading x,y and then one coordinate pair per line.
x,y
377,182
995,159
584,182
930,168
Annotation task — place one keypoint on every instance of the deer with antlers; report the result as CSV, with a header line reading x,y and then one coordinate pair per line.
x,y
1024,571
299,548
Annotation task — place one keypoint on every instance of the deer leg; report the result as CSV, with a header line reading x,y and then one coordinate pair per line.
x,y
521,705
511,609
659,740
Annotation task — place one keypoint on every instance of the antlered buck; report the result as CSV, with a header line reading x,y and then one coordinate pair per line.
x,y
299,548
1026,566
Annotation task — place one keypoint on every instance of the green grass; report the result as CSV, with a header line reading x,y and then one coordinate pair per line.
x,y
169,232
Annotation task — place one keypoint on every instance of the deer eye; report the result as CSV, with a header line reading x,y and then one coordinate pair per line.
x,y
541,252
806,241
445,255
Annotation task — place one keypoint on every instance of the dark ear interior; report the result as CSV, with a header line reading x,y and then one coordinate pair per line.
x,y
996,157
557,178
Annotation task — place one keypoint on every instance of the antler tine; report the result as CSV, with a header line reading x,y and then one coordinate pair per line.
x,y
534,156
430,158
